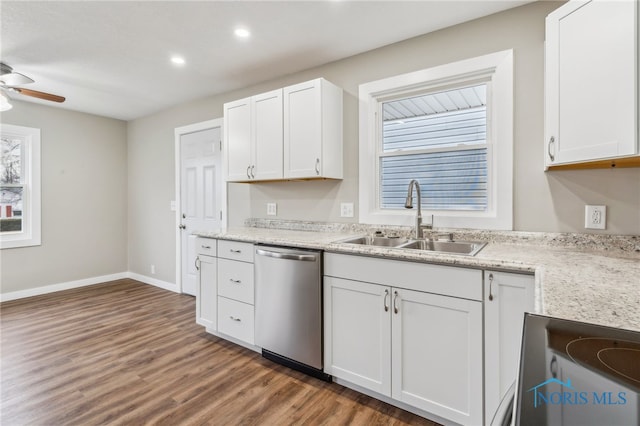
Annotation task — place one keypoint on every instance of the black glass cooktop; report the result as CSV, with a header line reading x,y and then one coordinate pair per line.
x,y
574,373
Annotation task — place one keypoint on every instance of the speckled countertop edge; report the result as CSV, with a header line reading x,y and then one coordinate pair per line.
x,y
600,286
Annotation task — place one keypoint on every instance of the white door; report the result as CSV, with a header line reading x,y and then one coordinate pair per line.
x,y
200,195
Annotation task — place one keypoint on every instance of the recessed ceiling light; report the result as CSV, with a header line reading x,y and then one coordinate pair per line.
x,y
177,60
242,32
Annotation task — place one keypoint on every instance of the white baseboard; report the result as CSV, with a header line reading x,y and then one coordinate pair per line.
x,y
21,294
154,281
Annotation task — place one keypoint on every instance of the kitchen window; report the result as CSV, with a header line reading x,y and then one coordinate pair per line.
x,y
19,186
449,127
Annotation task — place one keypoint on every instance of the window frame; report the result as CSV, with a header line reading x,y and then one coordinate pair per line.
x,y
496,69
30,235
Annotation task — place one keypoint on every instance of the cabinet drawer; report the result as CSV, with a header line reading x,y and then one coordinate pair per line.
x,y
235,319
235,250
425,277
235,280
206,246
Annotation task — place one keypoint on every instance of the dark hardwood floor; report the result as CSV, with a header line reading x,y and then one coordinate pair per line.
x,y
124,352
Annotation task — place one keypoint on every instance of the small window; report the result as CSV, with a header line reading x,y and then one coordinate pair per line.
x,y
439,139
19,186
449,127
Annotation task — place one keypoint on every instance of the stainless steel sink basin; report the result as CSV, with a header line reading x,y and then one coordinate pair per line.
x,y
375,241
469,248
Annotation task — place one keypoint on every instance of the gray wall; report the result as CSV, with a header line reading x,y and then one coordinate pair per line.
x,y
550,202
84,204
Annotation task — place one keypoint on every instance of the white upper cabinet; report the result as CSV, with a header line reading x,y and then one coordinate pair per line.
x,y
591,82
237,139
253,137
313,130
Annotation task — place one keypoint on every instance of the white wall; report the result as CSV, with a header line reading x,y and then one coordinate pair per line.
x,y
84,204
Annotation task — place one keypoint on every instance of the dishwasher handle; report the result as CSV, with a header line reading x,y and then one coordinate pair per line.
x,y
287,256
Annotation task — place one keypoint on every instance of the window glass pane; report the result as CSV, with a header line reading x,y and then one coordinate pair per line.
x,y
453,123
10,161
11,208
455,180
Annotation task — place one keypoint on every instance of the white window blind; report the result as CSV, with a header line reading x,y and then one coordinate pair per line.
x,y
438,139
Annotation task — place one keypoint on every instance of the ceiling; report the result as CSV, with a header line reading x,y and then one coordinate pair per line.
x,y
112,58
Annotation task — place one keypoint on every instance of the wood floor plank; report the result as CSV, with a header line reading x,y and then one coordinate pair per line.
x,y
126,353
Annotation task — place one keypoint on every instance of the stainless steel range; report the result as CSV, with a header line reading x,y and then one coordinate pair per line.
x,y
574,373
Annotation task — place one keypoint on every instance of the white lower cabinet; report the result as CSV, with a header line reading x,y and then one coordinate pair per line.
x,y
436,354
206,292
225,296
357,325
419,348
507,297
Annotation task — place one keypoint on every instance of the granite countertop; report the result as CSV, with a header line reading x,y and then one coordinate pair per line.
x,y
577,281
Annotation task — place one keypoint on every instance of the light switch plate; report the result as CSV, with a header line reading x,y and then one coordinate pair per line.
x,y
272,209
346,209
595,217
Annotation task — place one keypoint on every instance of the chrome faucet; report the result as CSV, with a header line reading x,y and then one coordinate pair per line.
x,y
409,205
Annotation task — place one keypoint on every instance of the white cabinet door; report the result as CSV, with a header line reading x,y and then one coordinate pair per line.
x,y
358,333
437,354
303,130
507,297
313,130
237,137
591,81
267,136
206,294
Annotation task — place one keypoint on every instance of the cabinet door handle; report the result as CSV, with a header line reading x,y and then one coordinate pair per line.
x,y
248,175
253,176
395,297
490,285
181,226
235,281
234,318
552,141
318,166
386,296
197,263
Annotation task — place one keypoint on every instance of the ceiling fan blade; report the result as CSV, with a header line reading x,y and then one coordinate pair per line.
x,y
40,95
15,79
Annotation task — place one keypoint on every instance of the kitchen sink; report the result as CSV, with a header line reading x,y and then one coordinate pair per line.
x,y
469,248
376,241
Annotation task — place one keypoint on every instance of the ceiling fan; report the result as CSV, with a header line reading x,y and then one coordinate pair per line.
x,y
9,80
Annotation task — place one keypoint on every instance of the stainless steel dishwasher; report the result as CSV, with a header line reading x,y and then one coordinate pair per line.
x,y
288,322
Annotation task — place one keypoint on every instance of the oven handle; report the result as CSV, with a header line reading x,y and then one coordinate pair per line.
x,y
287,256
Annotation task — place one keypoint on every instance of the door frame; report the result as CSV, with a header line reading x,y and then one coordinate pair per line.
x,y
179,132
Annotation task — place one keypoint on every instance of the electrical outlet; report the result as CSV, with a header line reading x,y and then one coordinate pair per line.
x,y
153,269
595,217
272,209
346,209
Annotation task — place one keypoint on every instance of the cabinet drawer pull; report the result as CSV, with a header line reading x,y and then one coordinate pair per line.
x,y
235,281
386,296
205,247
235,251
490,284
395,297
318,166
551,142
234,318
